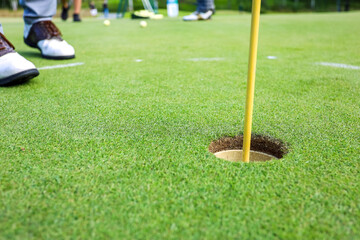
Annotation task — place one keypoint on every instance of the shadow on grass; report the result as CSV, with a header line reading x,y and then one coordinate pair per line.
x,y
28,54
30,83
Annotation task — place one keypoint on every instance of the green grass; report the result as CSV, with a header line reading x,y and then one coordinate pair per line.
x,y
118,149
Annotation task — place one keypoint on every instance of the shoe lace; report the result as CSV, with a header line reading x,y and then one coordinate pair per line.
x,y
3,40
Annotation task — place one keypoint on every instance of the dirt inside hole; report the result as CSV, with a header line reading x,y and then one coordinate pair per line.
x,y
259,143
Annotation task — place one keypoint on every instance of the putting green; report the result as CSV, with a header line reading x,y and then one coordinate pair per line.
x,y
117,147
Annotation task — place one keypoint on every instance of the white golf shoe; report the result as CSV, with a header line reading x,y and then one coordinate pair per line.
x,y
45,36
195,16
14,69
56,49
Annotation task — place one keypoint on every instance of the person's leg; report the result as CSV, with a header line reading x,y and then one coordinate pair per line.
x,y
65,10
14,69
205,5
65,3
36,11
77,8
40,32
106,9
93,10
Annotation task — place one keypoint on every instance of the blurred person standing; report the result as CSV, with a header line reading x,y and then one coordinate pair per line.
x,y
66,7
106,9
204,10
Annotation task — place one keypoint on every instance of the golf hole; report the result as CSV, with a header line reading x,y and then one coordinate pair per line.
x,y
262,148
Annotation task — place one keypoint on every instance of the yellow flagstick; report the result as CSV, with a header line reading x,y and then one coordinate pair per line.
x,y
256,4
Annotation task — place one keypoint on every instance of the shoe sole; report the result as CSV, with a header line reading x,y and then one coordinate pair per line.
x,y
19,78
48,57
58,57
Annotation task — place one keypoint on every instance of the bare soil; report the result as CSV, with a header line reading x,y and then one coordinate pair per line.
x,y
259,143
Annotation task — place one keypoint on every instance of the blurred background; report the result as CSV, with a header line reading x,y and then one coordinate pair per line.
x,y
268,6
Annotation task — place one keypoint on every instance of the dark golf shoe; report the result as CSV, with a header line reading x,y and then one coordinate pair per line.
x,y
76,17
65,13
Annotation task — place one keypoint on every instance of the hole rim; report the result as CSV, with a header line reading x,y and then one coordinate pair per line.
x,y
259,143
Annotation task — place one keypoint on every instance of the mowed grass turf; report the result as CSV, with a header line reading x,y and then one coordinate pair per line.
x,y
118,148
